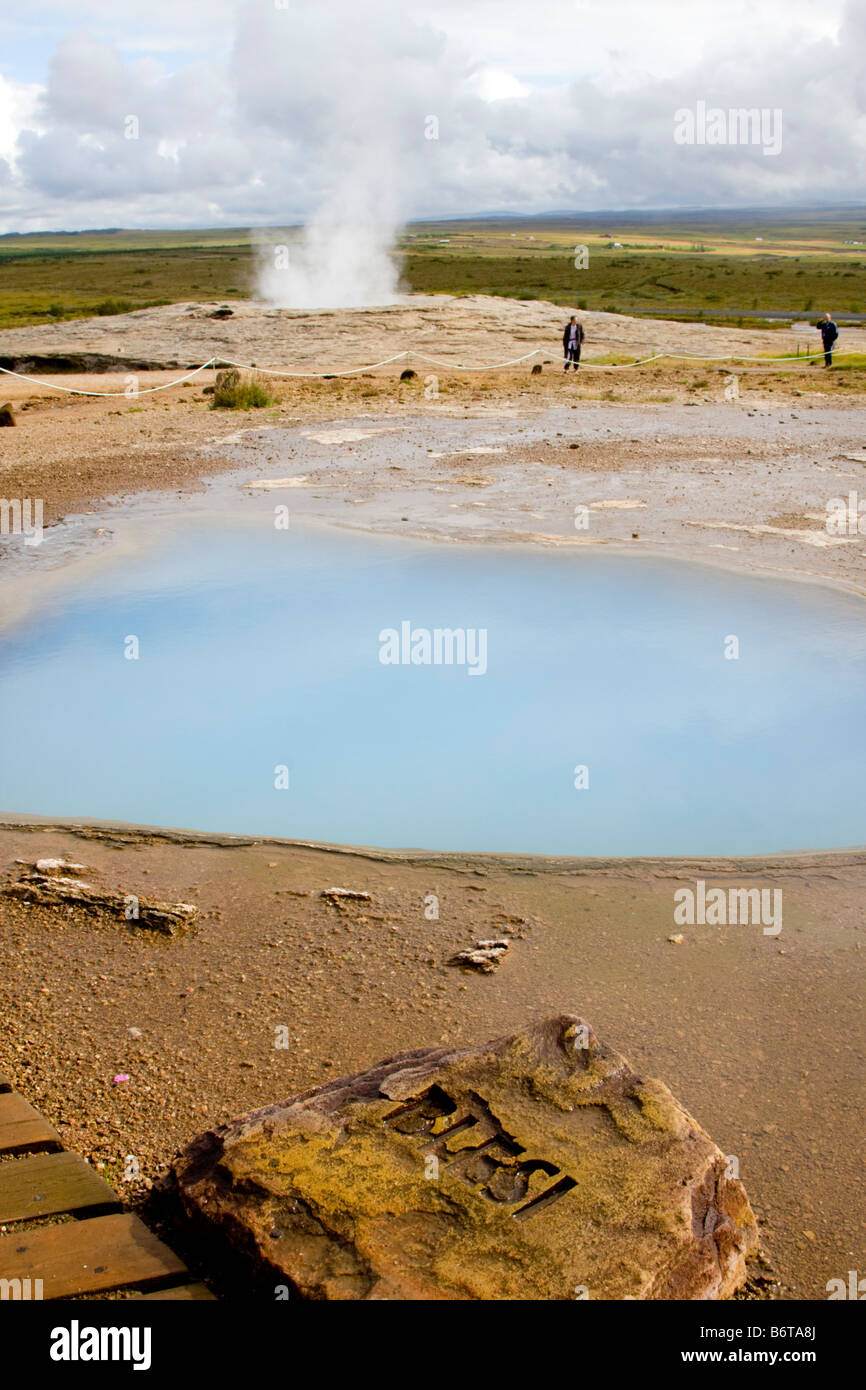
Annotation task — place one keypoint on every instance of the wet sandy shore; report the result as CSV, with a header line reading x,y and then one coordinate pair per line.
x,y
749,488
745,486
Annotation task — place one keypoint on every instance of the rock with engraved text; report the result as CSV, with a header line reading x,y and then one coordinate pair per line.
x,y
536,1166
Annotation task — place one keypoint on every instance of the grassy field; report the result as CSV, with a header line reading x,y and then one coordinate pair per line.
x,y
717,267
43,282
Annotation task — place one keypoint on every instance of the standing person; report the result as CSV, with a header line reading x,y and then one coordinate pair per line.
x,y
572,338
829,333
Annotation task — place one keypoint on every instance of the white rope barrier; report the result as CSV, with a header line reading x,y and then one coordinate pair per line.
x,y
487,367
276,371
146,391
421,357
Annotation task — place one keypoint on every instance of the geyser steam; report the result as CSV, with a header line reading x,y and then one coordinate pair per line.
x,y
342,259
350,91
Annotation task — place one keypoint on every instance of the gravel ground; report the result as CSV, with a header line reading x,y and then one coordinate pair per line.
x,y
762,1038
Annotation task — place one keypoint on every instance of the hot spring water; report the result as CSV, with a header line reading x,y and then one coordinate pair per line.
x,y
365,690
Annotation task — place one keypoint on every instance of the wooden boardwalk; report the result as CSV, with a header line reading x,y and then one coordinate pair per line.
x,y
95,1247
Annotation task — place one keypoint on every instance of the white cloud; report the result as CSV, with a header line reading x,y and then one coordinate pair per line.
x,y
275,113
18,102
492,84
607,39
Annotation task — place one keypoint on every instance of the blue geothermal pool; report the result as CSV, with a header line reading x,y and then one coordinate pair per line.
x,y
330,686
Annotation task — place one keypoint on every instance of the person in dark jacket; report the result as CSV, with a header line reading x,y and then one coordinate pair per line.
x,y
572,338
829,333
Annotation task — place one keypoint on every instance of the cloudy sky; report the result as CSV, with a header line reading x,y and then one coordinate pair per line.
x,y
257,112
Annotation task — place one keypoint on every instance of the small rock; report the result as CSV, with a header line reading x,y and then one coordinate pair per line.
x,y
677,940
484,956
52,866
342,895
58,889
228,379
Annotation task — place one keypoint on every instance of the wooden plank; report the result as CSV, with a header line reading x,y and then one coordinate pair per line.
x,y
184,1292
22,1128
93,1256
48,1184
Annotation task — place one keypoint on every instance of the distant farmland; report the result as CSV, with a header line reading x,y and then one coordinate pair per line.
x,y
712,267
